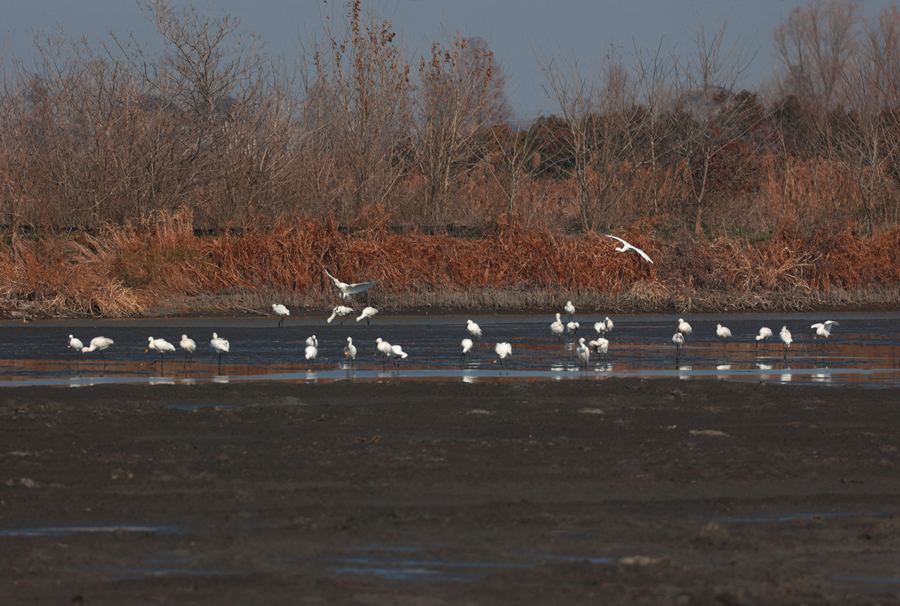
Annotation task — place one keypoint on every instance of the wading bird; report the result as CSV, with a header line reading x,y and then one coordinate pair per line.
x,y
75,344
350,350
397,354
188,345
220,346
557,328
98,343
384,348
160,345
312,341
678,340
473,329
764,334
786,340
466,348
684,328
504,352
723,333
600,346
341,311
281,311
823,331
583,353
626,247
310,353
569,309
367,313
572,328
348,290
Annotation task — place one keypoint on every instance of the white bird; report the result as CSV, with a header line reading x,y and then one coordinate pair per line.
x,y
583,353
312,341
678,340
557,328
383,347
473,329
348,290
160,345
98,343
397,354
188,345
572,327
466,348
504,351
599,345
684,328
764,334
785,336
569,309
310,353
281,311
723,333
220,346
341,311
75,344
350,350
823,329
609,324
626,247
367,313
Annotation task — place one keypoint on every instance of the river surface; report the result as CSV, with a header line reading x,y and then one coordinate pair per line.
x,y
864,348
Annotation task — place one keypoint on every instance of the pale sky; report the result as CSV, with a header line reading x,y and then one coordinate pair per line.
x,y
513,28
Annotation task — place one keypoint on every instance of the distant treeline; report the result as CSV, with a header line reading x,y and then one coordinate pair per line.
x,y
356,125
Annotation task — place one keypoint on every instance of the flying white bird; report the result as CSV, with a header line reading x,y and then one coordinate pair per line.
x,y
160,345
557,328
220,346
281,311
341,311
466,348
684,328
823,329
764,334
367,313
785,336
583,353
473,329
599,345
723,333
678,340
626,247
350,350
504,351
188,345
348,290
98,343
569,309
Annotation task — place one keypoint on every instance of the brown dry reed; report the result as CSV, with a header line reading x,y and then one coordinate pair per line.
x,y
160,266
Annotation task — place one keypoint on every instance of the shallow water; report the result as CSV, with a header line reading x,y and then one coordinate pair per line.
x,y
863,349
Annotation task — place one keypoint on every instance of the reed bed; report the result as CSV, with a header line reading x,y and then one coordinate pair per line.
x,y
159,266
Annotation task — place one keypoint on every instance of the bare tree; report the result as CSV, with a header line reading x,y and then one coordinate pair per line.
x,y
459,93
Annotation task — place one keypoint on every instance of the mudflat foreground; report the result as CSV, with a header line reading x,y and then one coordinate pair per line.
x,y
432,493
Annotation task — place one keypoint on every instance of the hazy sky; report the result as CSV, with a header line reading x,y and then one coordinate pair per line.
x,y
513,28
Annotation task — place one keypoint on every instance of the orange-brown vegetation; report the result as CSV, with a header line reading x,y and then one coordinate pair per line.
x,y
142,268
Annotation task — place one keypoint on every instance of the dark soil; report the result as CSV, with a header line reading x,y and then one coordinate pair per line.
x,y
574,492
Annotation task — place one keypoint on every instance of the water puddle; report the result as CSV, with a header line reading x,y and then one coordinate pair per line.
x,y
863,349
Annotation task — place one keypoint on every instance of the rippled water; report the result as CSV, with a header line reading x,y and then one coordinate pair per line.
x,y
864,348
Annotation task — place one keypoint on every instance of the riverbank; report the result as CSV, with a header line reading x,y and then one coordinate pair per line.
x,y
662,491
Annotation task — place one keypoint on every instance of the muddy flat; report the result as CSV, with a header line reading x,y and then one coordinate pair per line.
x,y
403,493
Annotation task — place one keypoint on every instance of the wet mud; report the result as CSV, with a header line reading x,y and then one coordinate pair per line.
x,y
576,492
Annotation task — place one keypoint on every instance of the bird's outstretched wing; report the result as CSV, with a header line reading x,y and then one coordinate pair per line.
x,y
350,289
626,247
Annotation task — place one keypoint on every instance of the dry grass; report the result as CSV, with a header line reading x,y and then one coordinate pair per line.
x,y
160,265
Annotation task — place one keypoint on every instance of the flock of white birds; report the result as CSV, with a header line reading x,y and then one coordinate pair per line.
x,y
395,353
